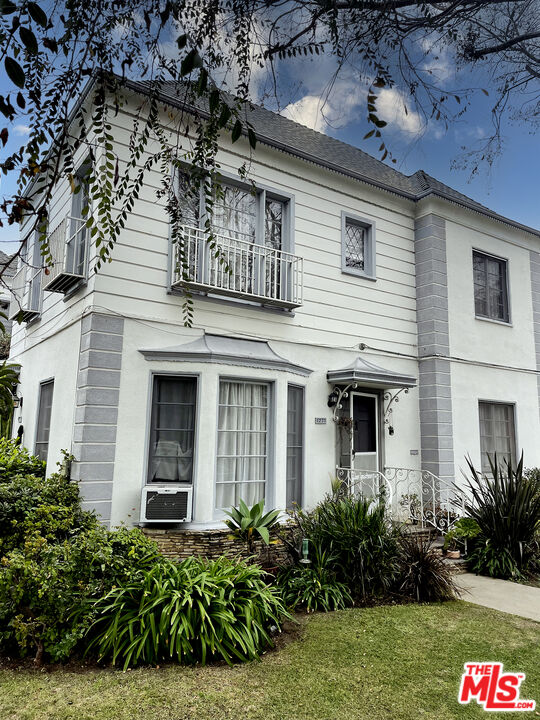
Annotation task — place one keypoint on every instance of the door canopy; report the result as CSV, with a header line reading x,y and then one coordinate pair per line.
x,y
367,374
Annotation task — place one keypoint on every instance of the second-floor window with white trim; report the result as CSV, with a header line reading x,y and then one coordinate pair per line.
x,y
242,443
357,246
253,231
490,287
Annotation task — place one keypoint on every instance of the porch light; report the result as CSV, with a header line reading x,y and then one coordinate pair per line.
x,y
17,401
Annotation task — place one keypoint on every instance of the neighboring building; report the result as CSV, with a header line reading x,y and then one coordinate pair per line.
x,y
8,268
343,271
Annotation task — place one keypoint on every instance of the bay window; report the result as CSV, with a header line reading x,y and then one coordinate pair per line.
x,y
172,429
242,443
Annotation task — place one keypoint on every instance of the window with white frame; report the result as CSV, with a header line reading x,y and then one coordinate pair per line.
x,y
295,445
41,449
172,429
242,443
490,287
357,246
497,433
252,227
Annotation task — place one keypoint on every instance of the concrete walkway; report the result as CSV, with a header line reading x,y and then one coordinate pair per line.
x,y
502,595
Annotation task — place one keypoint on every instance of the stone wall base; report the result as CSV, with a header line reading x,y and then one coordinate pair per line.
x,y
211,544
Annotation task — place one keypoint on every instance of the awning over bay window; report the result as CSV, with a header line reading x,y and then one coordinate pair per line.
x,y
226,350
368,374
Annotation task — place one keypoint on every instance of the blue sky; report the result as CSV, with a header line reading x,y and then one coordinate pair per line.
x,y
511,186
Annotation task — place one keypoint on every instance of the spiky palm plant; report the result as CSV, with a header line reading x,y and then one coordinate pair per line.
x,y
506,506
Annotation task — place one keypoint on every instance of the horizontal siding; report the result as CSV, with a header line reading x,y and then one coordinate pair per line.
x,y
339,309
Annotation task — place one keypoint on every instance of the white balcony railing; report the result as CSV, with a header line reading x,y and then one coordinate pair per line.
x,y
25,300
68,248
241,269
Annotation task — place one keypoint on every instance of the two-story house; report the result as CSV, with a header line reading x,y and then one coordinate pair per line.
x,y
370,322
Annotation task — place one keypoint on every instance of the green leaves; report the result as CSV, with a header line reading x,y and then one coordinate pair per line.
x,y
194,612
236,131
14,72
37,14
246,521
29,39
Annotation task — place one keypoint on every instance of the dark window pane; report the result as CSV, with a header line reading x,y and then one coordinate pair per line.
x,y
44,420
295,444
355,236
172,432
490,287
365,424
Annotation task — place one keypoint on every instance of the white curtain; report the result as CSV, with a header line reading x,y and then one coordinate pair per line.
x,y
235,218
242,443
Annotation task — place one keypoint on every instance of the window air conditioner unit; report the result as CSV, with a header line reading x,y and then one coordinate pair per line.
x,y
166,504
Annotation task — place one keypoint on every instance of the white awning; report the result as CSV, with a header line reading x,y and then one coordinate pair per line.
x,y
226,350
367,374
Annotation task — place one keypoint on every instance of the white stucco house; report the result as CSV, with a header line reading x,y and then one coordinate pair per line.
x,y
362,304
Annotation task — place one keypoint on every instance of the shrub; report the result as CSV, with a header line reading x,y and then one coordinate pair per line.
x,y
16,460
423,574
506,507
47,588
49,507
194,611
313,587
56,559
357,535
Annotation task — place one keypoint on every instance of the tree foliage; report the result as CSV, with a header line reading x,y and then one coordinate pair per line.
x,y
196,50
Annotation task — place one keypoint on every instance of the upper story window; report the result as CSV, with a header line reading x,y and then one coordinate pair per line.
x,y
69,241
490,287
253,231
357,246
26,295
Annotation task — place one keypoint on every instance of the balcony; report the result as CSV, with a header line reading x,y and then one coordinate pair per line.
x,y
25,302
68,248
243,269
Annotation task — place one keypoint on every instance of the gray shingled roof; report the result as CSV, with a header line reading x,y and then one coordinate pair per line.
x,y
291,137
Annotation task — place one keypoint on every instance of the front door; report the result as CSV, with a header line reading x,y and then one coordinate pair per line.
x,y
365,431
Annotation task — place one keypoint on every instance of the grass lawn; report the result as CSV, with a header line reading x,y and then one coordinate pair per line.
x,y
386,662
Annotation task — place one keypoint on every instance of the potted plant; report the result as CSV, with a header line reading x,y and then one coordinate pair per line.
x,y
464,530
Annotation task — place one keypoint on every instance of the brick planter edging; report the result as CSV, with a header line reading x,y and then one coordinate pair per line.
x,y
211,544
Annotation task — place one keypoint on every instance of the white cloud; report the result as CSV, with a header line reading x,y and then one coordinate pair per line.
x,y
392,107
335,108
344,103
439,63
21,130
307,111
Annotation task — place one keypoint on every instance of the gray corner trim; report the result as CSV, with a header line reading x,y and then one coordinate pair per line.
x,y
96,411
370,248
434,375
535,287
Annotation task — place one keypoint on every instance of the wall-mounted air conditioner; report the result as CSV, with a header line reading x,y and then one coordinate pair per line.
x,y
166,504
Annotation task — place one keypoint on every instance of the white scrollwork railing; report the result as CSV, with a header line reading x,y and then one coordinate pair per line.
x,y
235,265
423,499
369,483
417,497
